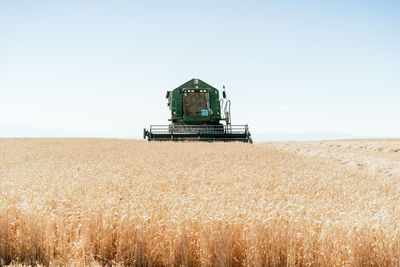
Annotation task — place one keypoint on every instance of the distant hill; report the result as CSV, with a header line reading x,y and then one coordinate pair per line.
x,y
19,130
306,136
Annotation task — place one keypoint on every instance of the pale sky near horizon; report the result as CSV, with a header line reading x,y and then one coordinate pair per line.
x,y
101,68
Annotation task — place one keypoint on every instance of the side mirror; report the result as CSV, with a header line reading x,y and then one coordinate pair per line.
x,y
223,92
167,94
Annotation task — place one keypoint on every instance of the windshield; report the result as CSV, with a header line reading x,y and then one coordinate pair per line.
x,y
195,104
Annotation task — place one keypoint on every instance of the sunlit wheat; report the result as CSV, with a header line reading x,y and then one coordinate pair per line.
x,y
123,202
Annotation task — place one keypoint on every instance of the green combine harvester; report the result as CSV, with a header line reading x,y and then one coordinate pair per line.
x,y
196,115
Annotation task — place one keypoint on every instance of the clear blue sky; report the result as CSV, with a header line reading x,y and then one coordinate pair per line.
x,y
101,68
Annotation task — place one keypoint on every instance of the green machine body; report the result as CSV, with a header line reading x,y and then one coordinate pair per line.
x,y
198,114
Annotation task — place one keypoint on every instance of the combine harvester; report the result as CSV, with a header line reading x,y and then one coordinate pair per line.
x,y
196,115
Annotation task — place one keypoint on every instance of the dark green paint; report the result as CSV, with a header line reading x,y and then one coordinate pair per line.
x,y
196,116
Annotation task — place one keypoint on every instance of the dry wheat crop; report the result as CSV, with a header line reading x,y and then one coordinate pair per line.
x,y
126,202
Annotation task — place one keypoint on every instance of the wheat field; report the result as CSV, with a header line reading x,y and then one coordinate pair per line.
x,y
127,202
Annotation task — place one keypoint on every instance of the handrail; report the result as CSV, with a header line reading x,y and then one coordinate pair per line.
x,y
217,129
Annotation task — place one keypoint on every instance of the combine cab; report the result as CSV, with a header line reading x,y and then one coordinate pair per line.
x,y
196,115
